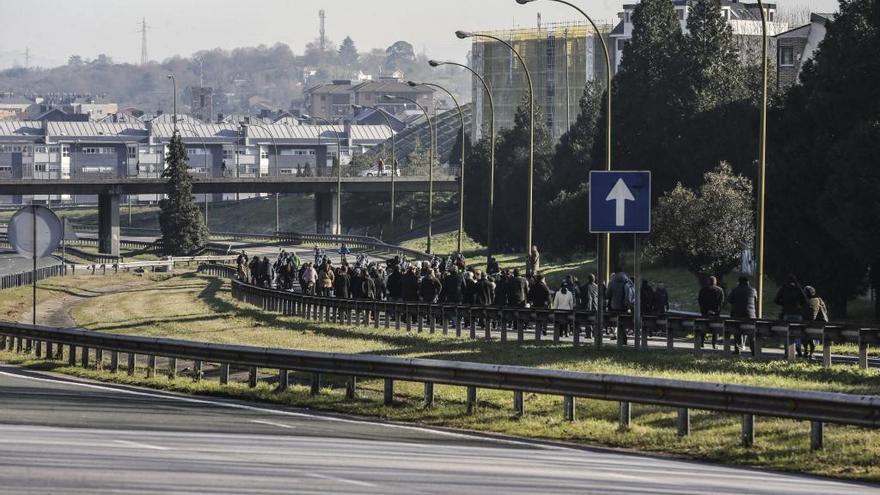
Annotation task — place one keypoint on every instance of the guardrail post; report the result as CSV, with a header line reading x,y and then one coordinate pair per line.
x,y
132,363
315,383
457,323
519,406
283,380
351,387
114,361
817,435
748,430
49,349
71,357
471,399
826,351
197,371
568,407
224,374
429,394
252,377
863,352
38,349
473,328
520,331
99,359
389,391
85,357
151,366
625,416
172,368
683,422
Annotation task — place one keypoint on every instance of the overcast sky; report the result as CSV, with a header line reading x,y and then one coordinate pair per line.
x,y
53,30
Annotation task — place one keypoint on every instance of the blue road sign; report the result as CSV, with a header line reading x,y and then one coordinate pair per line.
x,y
620,202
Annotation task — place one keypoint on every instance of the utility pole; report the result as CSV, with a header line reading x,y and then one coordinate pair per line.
x,y
144,58
323,17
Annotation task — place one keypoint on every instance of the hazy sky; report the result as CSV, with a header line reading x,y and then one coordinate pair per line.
x,y
53,30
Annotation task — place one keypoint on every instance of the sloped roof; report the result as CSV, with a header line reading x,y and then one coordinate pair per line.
x,y
88,129
21,128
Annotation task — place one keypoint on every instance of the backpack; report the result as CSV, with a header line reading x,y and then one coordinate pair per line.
x,y
630,293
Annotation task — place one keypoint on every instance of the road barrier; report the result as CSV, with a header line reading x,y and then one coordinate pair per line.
x,y
476,320
91,348
27,278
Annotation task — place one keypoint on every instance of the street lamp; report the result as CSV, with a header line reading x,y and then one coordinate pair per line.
x,y
762,170
434,63
430,166
393,153
174,96
274,145
605,239
192,128
461,177
464,35
338,168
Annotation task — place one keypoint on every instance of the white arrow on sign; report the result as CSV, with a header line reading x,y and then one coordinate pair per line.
x,y
621,194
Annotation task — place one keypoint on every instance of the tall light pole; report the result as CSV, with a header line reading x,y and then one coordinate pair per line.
x,y
461,176
192,128
338,168
604,255
430,166
531,180
434,63
274,145
762,166
393,153
174,97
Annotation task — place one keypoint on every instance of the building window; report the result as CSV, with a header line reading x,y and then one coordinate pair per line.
x,y
133,152
286,171
39,167
91,150
53,149
680,14
65,151
97,170
264,154
227,153
786,56
39,149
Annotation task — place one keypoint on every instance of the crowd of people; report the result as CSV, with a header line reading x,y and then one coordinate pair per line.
x,y
450,280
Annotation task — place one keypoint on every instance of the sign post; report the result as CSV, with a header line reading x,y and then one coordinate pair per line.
x,y
620,203
34,231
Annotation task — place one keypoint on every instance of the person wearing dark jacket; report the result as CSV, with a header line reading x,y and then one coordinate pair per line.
x,y
517,290
453,287
429,288
743,302
409,285
483,291
816,311
470,285
711,301
500,296
342,283
394,284
647,295
539,298
590,294
793,301
379,283
358,291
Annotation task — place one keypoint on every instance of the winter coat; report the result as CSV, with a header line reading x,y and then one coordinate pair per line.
x,y
325,279
817,309
453,288
483,293
711,300
517,291
394,285
661,300
792,299
379,284
409,287
563,301
539,295
429,289
590,296
617,292
743,302
342,286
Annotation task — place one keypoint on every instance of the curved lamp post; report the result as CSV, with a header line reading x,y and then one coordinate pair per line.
x,y
174,96
192,128
762,166
430,166
461,178
338,168
393,153
434,63
531,181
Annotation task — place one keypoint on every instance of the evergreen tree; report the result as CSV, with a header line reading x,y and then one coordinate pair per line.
x,y
573,158
454,157
476,189
348,54
712,69
183,231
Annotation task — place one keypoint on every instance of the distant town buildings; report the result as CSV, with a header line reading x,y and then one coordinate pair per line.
x,y
334,101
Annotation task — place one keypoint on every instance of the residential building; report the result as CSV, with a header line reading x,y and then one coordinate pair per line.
x,y
202,102
796,46
743,18
334,101
561,57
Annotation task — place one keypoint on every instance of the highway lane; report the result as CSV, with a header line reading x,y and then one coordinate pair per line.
x,y
11,263
62,435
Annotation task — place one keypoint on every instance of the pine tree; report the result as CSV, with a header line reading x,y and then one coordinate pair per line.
x,y
712,69
573,158
183,231
454,157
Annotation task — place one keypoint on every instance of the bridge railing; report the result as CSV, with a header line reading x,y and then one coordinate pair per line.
x,y
91,350
514,324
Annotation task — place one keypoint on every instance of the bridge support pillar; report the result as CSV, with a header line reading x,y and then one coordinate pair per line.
x,y
325,213
108,224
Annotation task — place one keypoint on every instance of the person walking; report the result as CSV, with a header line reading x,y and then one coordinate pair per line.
x,y
429,288
793,302
410,286
590,294
620,292
533,263
563,303
325,280
310,277
647,297
517,290
711,301
743,302
342,283
816,311
661,299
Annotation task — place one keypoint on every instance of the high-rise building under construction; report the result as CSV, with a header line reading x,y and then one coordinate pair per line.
x,y
561,57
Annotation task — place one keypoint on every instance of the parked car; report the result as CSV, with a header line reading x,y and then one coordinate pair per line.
x,y
374,172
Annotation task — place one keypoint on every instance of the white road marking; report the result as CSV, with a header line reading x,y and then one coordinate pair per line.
x,y
139,445
340,480
272,423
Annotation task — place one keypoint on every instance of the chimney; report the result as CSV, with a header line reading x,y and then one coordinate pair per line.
x,y
219,118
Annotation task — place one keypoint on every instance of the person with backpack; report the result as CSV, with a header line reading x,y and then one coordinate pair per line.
x,y
711,301
661,299
743,302
816,311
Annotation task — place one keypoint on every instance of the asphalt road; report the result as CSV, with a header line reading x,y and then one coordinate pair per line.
x,y
10,262
59,435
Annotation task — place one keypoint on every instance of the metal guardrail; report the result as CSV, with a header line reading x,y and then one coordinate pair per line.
x,y
817,407
27,278
504,320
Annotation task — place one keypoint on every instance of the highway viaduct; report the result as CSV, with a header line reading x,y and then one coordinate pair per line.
x,y
110,191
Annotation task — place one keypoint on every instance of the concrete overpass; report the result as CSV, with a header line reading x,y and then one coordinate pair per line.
x,y
109,192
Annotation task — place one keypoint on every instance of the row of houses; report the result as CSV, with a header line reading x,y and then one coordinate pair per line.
x,y
89,150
